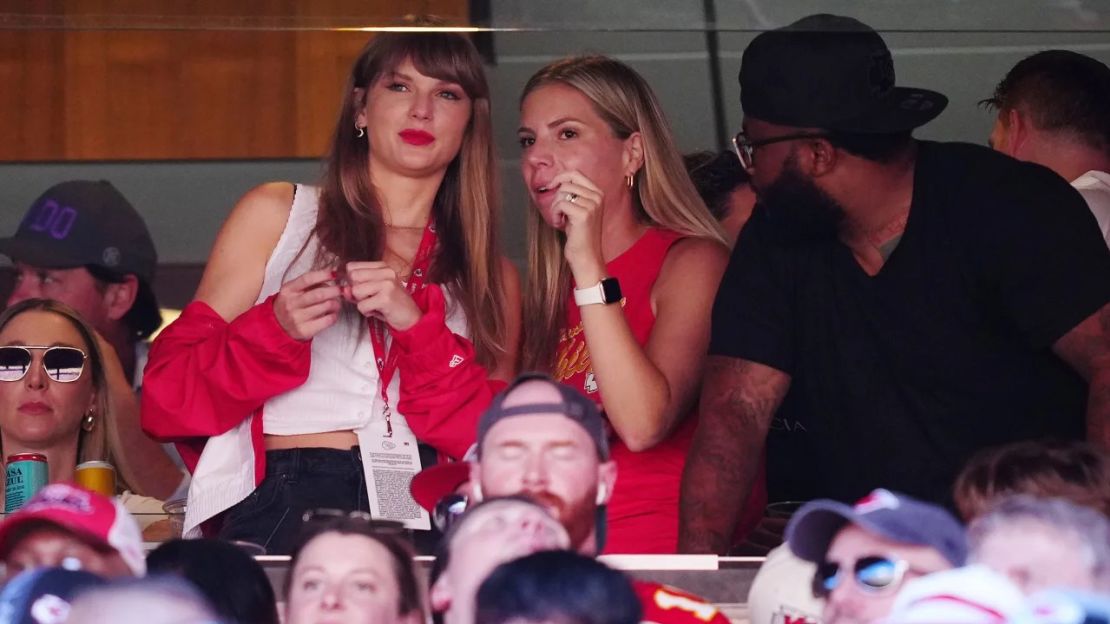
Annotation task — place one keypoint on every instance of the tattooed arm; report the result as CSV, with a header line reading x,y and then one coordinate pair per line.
x,y
1087,349
738,400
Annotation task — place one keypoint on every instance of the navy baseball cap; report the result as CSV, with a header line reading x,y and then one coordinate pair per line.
x,y
43,595
890,515
572,405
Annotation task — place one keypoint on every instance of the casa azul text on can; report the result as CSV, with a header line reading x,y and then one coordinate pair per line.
x,y
26,474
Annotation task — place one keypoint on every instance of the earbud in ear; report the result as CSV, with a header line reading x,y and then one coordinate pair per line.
x,y
602,492
476,491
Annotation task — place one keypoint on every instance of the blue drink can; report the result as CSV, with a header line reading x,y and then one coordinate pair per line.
x,y
26,475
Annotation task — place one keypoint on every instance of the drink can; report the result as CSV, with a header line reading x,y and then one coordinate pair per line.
x,y
98,476
26,474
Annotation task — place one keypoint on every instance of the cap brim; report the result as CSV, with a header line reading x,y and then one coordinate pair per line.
x,y
811,530
430,485
904,109
38,253
59,518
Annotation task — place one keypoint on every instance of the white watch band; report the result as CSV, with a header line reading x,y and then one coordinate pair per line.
x,y
589,295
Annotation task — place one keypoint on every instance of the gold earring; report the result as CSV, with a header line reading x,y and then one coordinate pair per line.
x,y
630,180
88,423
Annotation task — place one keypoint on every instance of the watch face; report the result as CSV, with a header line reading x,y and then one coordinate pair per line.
x,y
611,290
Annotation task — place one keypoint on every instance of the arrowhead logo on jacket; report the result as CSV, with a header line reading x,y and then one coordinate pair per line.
x,y
455,361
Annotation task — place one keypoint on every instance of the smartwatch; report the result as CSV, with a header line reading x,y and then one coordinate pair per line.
x,y
606,291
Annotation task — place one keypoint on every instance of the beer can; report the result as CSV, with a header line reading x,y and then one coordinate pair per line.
x,y
98,476
26,474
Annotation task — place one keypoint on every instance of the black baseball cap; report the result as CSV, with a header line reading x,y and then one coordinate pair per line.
x,y
572,405
834,73
84,223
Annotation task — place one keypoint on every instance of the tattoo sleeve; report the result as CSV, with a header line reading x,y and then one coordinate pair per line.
x,y
738,399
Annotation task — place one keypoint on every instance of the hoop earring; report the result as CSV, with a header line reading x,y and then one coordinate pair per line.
x,y
630,180
88,423
361,132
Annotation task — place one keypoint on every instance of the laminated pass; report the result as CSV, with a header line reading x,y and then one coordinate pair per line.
x,y
389,462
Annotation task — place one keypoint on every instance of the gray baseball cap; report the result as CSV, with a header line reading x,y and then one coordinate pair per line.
x,y
573,405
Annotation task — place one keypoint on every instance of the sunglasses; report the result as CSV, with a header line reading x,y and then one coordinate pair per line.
x,y
875,575
62,364
448,510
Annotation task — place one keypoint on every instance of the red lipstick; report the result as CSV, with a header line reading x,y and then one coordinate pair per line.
x,y
416,137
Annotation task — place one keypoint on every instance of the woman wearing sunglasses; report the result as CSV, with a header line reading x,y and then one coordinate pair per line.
x,y
364,315
53,396
624,264
349,569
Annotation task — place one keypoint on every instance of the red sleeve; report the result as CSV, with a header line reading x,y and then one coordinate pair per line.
x,y
205,375
444,389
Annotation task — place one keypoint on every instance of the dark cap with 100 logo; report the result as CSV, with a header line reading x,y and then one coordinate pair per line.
x,y
82,223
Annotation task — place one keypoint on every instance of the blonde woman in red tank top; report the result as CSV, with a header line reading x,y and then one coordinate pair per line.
x,y
612,200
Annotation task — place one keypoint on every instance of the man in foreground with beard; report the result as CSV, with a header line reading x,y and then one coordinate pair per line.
x,y
544,441
893,305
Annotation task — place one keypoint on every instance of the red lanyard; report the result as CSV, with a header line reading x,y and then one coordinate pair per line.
x,y
387,361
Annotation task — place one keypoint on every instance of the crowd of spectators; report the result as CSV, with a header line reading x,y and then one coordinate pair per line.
x,y
903,343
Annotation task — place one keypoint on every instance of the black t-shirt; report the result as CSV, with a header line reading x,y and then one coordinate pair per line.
x,y
898,378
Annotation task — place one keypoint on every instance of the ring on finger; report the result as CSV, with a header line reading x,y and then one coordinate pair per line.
x,y
571,197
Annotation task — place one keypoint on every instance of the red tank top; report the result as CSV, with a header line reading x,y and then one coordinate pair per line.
x,y
643,511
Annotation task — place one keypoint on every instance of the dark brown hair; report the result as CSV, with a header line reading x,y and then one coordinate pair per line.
x,y
400,556
466,208
1076,471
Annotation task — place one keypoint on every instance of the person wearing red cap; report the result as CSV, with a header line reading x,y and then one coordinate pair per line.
x,y
71,527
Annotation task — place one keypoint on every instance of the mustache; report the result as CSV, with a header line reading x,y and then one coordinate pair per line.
x,y
547,499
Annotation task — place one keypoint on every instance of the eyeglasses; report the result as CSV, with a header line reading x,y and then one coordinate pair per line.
x,y
875,575
62,364
745,149
448,510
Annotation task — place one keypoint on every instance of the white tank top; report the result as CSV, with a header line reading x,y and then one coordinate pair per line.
x,y
341,393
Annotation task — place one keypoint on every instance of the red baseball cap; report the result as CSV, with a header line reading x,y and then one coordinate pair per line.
x,y
430,485
99,520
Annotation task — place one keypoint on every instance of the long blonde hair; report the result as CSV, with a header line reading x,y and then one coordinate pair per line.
x,y
664,196
91,444
467,206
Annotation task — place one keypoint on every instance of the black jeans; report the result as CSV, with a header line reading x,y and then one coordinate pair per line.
x,y
296,481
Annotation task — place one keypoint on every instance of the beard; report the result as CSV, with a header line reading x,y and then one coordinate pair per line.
x,y
577,517
798,210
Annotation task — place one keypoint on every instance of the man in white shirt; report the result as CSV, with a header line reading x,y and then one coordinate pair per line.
x,y
1054,110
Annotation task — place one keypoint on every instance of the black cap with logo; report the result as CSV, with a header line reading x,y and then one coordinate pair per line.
x,y
84,223
833,73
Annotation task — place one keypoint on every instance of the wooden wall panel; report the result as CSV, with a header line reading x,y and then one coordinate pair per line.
x,y
189,93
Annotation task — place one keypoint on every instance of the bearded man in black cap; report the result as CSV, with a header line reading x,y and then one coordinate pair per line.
x,y
893,305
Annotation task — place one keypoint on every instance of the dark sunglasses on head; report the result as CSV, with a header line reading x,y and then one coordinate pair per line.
x,y
873,574
62,364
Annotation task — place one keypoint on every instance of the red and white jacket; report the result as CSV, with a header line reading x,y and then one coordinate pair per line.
x,y
207,380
